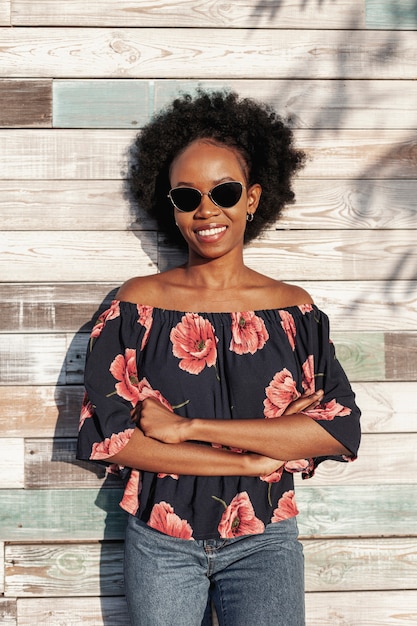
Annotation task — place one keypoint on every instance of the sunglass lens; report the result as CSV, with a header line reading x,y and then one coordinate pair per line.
x,y
226,195
185,198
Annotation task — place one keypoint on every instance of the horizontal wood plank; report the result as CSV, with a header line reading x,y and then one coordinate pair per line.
x,y
73,307
324,204
1,567
189,13
72,256
5,13
319,104
26,103
59,359
8,612
94,513
383,459
49,570
201,53
360,608
12,466
47,411
391,14
67,255
93,611
102,154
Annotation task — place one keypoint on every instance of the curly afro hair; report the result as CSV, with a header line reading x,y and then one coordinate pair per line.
x,y
251,128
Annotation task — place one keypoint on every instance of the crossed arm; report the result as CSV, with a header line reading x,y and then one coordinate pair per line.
x,y
164,441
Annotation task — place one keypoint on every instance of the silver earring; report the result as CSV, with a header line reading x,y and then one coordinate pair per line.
x,y
249,217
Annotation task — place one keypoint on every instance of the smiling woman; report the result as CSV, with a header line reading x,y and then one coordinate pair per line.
x,y
210,384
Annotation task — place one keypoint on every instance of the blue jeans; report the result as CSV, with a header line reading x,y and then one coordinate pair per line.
x,y
256,580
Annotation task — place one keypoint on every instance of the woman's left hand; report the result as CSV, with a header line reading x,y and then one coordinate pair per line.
x,y
158,422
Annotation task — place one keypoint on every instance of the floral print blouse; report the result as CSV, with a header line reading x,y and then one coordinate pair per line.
x,y
215,366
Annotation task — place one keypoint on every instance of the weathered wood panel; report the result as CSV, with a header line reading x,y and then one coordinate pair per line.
x,y
115,256
59,359
1,567
8,612
379,510
384,459
26,103
319,104
68,307
82,611
62,514
378,608
5,18
62,256
12,466
49,570
320,205
190,13
42,411
102,154
391,14
201,53
361,608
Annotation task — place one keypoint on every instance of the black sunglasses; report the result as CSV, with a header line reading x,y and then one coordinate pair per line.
x,y
225,195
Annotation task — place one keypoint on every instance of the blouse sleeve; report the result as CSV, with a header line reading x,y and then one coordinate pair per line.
x,y
338,412
111,382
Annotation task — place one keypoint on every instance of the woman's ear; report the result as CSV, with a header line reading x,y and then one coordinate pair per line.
x,y
254,195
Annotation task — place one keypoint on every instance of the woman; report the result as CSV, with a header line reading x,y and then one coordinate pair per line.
x,y
211,384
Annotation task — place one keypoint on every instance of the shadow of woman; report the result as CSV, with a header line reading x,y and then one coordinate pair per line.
x,y
97,521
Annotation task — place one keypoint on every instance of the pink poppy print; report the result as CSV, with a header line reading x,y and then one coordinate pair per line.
x,y
123,368
111,445
288,324
328,411
110,314
308,381
305,308
286,507
130,500
195,343
146,320
239,518
249,333
274,477
87,410
164,519
299,465
146,391
280,392
174,476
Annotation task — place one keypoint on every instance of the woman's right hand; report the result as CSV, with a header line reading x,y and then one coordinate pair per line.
x,y
304,402
263,465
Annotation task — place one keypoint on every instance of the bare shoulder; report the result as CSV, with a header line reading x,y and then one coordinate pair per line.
x,y
286,295
139,290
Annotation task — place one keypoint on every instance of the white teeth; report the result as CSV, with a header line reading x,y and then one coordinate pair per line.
x,y
211,231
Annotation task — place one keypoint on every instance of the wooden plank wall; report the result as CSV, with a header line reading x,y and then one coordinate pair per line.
x,y
77,81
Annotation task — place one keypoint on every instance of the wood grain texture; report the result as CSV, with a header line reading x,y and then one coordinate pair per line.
x,y
190,13
73,307
62,514
65,256
323,204
8,612
384,459
50,570
116,256
47,411
103,154
360,608
26,103
200,53
319,104
93,513
391,15
2,567
59,359
12,466
5,13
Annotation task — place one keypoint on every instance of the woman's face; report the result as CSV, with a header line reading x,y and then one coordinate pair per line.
x,y
212,231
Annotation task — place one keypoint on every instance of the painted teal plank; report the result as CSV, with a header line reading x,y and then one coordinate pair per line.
x,y
101,103
94,514
391,14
